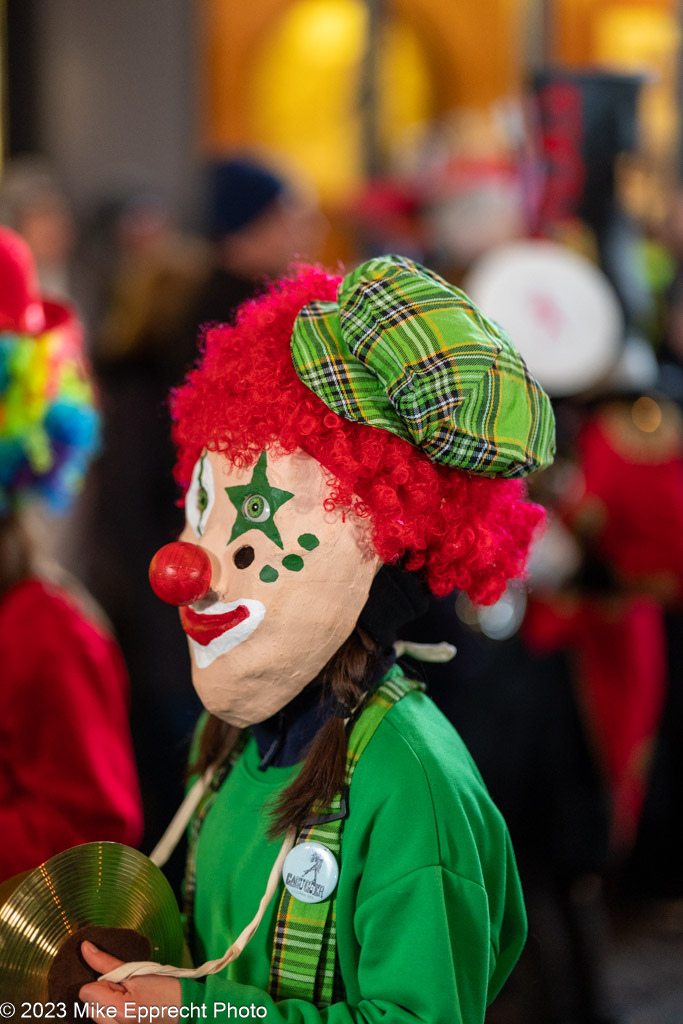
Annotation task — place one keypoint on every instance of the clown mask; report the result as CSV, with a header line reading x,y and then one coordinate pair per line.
x,y
288,581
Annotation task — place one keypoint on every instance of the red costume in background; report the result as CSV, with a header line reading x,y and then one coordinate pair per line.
x,y
67,772
630,516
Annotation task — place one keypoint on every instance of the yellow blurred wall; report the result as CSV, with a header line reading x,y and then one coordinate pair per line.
x,y
474,51
438,56
580,29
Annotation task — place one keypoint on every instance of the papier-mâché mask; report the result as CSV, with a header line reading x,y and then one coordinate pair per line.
x,y
288,581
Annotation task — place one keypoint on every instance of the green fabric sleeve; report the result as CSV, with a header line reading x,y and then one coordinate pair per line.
x,y
427,956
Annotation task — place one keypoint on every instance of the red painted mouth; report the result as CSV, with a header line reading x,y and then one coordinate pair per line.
x,y
205,628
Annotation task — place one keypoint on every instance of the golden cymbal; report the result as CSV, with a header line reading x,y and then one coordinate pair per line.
x,y
102,884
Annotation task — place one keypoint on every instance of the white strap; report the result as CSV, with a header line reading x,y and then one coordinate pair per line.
x,y
136,970
162,851
425,652
180,820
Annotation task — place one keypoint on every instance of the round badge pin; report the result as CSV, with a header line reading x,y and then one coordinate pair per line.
x,y
310,872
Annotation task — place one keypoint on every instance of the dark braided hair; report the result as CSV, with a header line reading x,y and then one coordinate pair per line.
x,y
345,677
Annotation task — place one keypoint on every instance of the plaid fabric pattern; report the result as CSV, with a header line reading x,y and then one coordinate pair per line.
x,y
205,805
407,352
304,963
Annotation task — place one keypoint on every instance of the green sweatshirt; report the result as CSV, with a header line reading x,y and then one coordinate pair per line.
x,y
430,918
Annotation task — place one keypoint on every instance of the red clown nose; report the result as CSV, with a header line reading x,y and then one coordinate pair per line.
x,y
180,573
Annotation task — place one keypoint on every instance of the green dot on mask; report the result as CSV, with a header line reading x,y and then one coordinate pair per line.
x,y
308,541
293,562
268,574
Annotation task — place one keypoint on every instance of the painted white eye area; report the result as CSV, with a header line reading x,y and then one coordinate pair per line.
x,y
200,495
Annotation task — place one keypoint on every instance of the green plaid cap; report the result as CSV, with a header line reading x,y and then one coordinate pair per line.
x,y
407,352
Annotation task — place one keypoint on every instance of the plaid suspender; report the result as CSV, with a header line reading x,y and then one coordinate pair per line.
x,y
205,805
304,963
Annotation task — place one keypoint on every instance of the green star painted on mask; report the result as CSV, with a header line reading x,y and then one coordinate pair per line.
x,y
256,504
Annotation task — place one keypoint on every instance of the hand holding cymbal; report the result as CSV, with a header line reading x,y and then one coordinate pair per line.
x,y
104,893
146,992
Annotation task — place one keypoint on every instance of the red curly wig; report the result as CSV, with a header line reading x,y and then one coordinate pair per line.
x,y
459,530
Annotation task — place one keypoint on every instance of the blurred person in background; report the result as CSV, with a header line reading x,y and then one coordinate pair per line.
x,y
258,222
654,868
151,274
145,272
67,773
603,630
34,205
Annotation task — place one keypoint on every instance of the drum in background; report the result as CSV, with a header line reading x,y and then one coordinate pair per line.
x,y
560,310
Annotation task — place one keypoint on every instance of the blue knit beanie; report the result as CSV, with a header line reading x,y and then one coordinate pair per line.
x,y
238,191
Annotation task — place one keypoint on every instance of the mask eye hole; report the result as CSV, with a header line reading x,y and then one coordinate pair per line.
x,y
200,496
243,557
255,508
